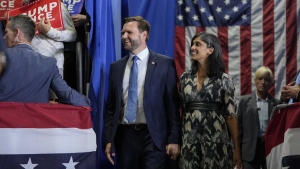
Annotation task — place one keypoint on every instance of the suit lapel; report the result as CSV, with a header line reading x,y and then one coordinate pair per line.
x,y
271,104
253,105
120,75
152,62
253,109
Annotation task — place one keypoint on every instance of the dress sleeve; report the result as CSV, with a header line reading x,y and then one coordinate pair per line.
x,y
181,83
228,96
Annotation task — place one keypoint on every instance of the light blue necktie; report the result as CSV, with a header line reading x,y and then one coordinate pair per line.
x,y
297,82
132,92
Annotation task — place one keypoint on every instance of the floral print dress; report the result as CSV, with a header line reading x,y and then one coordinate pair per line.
x,y
206,142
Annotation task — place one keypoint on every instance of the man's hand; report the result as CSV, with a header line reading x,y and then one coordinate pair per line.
x,y
44,26
284,94
294,90
108,153
173,150
78,19
289,91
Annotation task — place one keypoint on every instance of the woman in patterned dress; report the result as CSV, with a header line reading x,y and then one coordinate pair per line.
x,y
208,107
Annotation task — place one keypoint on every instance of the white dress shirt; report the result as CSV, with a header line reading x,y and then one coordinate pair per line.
x,y
263,115
142,68
51,44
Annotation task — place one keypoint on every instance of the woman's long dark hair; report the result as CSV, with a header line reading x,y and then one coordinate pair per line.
x,y
215,61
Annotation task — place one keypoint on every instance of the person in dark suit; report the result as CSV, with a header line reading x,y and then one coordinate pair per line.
x,y
254,114
29,75
156,130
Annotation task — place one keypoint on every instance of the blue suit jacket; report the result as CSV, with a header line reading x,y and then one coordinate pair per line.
x,y
29,76
247,116
160,100
298,96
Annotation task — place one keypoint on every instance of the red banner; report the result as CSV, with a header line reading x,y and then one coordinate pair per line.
x,y
6,5
282,138
40,9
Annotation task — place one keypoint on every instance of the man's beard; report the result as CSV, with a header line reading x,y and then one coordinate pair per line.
x,y
134,45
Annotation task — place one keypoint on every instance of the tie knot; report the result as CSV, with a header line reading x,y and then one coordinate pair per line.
x,y
135,58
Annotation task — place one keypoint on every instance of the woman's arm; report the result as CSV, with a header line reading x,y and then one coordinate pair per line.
x,y
233,129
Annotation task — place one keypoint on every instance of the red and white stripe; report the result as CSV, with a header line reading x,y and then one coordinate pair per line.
x,y
46,140
282,136
30,128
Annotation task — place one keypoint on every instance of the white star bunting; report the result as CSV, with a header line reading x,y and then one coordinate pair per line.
x,y
71,164
29,165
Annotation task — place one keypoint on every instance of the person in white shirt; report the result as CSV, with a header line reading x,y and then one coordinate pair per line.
x,y
50,41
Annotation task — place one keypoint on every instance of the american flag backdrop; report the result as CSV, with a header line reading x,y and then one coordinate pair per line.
x,y
252,33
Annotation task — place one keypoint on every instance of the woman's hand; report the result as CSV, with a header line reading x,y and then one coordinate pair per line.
x,y
237,161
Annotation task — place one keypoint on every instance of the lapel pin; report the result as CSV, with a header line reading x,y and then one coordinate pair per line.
x,y
153,63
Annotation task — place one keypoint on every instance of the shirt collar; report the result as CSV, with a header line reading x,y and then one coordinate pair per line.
x,y
143,55
259,99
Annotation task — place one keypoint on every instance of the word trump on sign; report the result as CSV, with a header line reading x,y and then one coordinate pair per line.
x,y
37,10
41,12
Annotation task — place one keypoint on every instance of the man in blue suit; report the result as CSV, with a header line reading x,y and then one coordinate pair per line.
x,y
29,75
155,132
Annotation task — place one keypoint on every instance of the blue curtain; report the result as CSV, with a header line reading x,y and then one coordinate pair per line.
x,y
161,16
102,54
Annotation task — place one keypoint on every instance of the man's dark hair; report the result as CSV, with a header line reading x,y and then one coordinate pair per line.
x,y
25,23
143,25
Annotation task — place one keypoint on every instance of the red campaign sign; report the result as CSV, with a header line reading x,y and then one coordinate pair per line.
x,y
6,5
40,9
